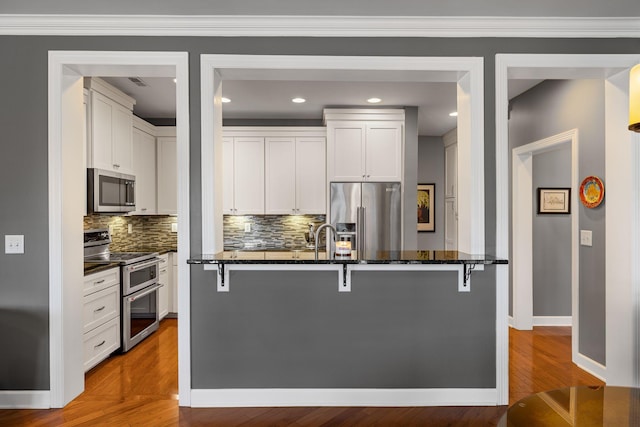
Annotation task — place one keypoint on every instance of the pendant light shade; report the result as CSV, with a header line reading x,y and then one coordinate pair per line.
x,y
634,99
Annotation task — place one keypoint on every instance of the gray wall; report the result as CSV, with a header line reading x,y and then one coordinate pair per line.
x,y
431,170
23,120
550,108
332,7
410,222
551,238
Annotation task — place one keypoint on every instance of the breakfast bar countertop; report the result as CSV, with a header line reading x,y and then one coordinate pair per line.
x,y
307,257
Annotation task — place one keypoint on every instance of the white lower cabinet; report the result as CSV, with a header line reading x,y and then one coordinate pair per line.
x,y
101,316
164,293
174,283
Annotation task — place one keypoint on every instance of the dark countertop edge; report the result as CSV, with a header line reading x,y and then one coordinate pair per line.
x,y
200,261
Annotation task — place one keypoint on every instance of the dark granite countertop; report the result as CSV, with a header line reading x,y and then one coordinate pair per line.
x,y
92,267
381,257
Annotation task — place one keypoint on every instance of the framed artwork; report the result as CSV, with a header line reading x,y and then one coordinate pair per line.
x,y
426,207
554,200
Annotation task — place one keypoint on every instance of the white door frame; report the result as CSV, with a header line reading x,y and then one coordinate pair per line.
x,y
522,229
622,161
66,69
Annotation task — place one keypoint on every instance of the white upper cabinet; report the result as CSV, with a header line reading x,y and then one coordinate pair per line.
x,y
311,178
280,179
244,195
167,164
450,164
110,136
144,167
295,175
364,144
274,170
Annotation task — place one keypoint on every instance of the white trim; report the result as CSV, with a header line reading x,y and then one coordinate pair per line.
x,y
220,398
318,26
511,321
552,321
272,267
591,366
466,71
522,262
25,399
502,333
459,268
169,64
560,66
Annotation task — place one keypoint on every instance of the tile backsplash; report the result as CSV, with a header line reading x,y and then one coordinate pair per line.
x,y
268,231
147,232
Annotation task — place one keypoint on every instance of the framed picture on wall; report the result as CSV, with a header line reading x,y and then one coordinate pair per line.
x,y
554,200
426,207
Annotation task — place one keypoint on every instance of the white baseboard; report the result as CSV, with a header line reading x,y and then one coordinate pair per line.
x,y
25,399
511,321
220,398
591,366
552,321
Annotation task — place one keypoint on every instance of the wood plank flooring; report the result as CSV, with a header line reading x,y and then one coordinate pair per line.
x,y
140,389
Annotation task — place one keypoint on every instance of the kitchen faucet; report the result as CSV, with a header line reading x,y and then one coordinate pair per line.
x,y
317,236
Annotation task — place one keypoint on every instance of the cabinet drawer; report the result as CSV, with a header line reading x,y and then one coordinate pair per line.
x,y
99,281
99,307
101,342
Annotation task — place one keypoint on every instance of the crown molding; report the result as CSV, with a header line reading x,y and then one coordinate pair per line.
x,y
318,26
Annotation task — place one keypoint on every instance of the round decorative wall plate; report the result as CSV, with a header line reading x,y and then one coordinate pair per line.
x,y
591,191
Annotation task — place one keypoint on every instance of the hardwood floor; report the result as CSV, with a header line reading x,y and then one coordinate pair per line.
x,y
140,389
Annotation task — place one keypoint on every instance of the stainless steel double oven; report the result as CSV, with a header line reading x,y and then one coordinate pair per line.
x,y
139,272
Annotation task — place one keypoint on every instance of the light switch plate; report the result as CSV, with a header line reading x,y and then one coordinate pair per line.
x,y
129,228
247,227
586,238
14,244
174,227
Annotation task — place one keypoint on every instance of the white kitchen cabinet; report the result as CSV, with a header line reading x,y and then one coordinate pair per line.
x,y
364,144
450,225
110,135
247,175
167,172
101,316
144,168
451,170
311,175
227,176
295,175
165,292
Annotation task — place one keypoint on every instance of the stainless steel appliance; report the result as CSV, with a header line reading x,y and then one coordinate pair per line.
x,y
368,214
139,271
109,191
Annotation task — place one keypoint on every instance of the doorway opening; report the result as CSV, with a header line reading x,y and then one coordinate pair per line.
x,y
67,197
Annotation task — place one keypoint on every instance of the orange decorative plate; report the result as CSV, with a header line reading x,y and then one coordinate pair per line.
x,y
591,191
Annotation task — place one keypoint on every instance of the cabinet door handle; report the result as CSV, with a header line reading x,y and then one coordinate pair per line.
x,y
98,282
368,176
116,166
99,309
143,209
100,345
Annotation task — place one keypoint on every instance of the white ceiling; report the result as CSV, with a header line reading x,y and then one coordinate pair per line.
x,y
271,99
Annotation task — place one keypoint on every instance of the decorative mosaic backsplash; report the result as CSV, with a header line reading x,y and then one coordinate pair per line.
x,y
148,233
269,231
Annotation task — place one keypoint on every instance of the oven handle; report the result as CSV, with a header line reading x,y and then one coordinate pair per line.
x,y
147,292
141,265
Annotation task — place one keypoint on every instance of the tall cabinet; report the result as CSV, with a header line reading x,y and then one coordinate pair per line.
x,y
451,190
364,144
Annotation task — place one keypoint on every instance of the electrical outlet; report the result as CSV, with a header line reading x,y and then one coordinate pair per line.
x,y
129,228
247,227
174,227
14,244
110,230
586,238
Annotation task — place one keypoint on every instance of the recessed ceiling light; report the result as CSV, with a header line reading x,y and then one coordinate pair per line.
x,y
298,100
374,100
454,114
225,100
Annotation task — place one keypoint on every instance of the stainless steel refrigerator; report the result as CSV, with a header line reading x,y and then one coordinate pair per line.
x,y
368,214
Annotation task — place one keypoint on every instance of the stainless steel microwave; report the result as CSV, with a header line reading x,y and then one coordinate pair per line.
x,y
110,192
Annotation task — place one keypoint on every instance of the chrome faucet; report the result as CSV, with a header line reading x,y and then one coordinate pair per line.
x,y
317,236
